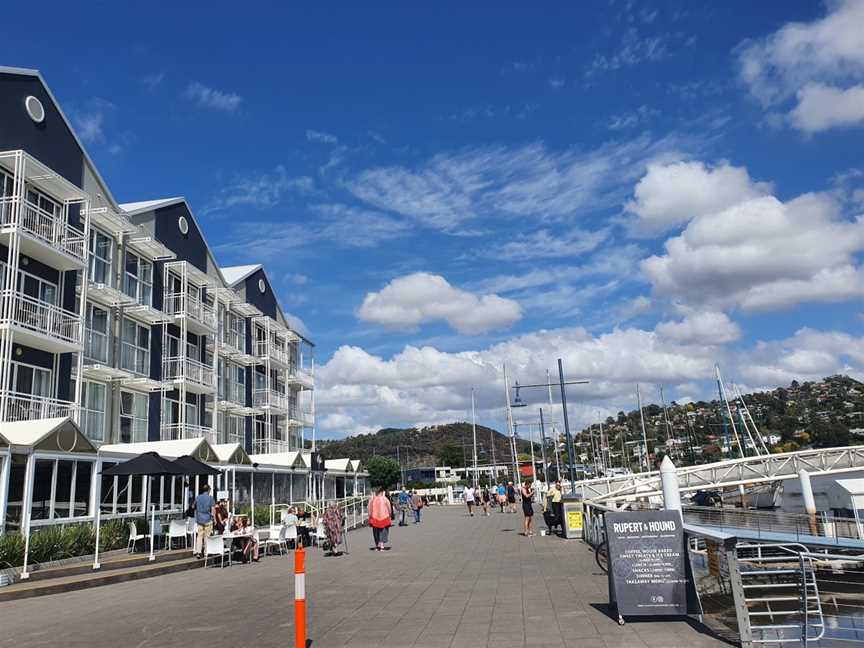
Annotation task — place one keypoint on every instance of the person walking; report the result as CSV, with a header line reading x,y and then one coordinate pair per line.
x,y
527,493
486,498
333,522
557,498
205,513
380,517
404,504
416,505
468,494
502,496
511,498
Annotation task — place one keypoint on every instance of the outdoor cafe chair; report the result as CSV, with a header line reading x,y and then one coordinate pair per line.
x,y
278,541
177,530
318,534
215,546
190,530
134,537
291,535
156,532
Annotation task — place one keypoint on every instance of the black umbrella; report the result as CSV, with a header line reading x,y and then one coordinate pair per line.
x,y
192,466
149,463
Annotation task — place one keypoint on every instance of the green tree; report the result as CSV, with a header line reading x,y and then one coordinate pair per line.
x,y
383,471
451,455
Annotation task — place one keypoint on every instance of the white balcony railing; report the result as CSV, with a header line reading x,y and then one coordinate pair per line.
x,y
49,228
42,317
266,349
190,306
233,393
181,368
175,431
265,445
29,407
234,340
270,398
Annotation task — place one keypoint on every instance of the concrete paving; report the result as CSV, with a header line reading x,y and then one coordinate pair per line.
x,y
449,582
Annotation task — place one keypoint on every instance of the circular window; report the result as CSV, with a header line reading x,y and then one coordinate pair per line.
x,y
35,109
262,286
183,224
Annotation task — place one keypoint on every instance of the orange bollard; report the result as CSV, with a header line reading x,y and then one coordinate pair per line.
x,y
300,597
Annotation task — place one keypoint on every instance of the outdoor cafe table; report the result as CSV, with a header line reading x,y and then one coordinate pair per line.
x,y
231,536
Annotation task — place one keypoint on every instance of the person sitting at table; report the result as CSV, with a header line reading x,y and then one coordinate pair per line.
x,y
247,540
289,517
303,521
220,520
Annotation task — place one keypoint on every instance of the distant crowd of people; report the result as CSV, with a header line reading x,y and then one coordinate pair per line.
x,y
483,499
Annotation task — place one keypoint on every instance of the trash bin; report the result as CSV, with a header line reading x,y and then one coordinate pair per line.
x,y
572,516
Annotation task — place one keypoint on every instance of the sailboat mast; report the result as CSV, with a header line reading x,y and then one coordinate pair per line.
x,y
644,433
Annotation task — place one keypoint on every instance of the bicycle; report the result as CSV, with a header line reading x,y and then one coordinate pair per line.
x,y
601,556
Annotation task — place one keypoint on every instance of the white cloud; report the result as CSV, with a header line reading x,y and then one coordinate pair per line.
x,y
807,355
671,194
422,385
89,121
633,49
763,254
701,328
262,191
546,244
821,107
207,97
153,80
321,136
408,301
811,63
452,189
631,119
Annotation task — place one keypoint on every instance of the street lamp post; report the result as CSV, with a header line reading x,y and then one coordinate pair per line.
x,y
571,452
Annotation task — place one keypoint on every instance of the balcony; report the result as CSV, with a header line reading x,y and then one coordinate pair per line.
x,y
301,378
270,399
266,445
175,431
200,316
45,237
197,376
42,325
266,351
30,407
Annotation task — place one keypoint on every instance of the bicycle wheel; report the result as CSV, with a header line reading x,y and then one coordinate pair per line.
x,y
601,556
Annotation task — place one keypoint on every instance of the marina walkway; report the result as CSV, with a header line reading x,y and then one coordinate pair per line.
x,y
452,581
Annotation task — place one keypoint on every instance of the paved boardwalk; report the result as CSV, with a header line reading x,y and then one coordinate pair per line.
x,y
452,581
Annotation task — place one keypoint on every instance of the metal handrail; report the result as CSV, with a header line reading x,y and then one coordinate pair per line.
x,y
191,306
46,227
29,407
175,431
42,317
183,368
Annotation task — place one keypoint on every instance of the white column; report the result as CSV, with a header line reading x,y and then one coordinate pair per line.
x,y
807,492
5,469
669,480
96,505
26,512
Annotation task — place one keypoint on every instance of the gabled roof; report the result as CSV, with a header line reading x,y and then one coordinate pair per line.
x,y
339,465
198,448
235,274
132,208
38,75
282,459
231,453
356,465
52,435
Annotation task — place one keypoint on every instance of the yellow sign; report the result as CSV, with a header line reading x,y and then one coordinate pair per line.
x,y
574,520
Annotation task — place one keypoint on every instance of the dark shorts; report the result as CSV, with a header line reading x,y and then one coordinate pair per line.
x,y
527,508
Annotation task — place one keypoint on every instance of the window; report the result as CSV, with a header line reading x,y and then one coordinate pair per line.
x,y
96,348
135,349
37,288
101,253
93,410
133,417
171,412
232,429
27,379
43,203
138,279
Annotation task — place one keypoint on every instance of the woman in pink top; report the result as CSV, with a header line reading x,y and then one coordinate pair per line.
x,y
380,515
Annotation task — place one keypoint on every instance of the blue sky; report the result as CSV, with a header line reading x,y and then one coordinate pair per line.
x,y
641,189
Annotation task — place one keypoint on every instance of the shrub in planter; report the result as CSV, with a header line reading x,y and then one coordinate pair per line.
x,y
47,544
11,550
78,540
114,535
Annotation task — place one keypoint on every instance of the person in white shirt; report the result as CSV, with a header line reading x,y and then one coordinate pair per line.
x,y
468,493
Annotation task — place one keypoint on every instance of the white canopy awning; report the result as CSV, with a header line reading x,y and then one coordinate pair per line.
x,y
280,459
339,465
198,448
852,486
48,435
231,453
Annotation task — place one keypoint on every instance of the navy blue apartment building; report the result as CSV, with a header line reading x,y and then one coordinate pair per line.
x,y
117,315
